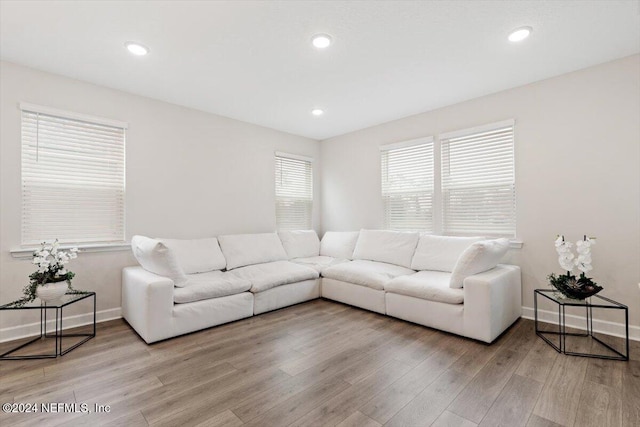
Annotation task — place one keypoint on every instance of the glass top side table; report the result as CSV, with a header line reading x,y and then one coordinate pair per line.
x,y
597,302
58,336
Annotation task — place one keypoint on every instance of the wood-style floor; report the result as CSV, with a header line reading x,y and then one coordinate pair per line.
x,y
323,363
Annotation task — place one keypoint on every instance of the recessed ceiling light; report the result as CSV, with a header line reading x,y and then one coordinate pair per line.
x,y
136,48
321,41
317,112
520,34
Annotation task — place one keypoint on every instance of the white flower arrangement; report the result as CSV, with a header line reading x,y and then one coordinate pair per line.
x,y
568,260
51,262
50,259
568,284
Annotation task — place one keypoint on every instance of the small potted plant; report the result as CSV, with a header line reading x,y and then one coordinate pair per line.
x,y
567,284
52,280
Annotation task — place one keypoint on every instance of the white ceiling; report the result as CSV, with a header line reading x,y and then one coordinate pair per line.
x,y
253,61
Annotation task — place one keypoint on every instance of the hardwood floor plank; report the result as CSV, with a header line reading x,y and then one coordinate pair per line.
x,y
427,406
600,406
631,394
195,405
538,421
117,388
475,358
323,353
425,344
261,403
605,372
474,401
538,362
521,338
449,419
514,404
298,405
560,397
223,419
131,420
339,407
386,404
194,373
358,419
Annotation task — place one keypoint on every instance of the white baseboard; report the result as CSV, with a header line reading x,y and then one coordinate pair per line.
x,y
600,326
33,329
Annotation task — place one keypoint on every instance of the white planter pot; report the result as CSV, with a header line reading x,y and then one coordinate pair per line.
x,y
51,291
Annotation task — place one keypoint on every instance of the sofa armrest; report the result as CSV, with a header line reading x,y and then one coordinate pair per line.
x,y
147,302
492,302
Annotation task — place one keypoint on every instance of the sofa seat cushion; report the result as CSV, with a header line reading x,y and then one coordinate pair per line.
x,y
371,274
428,285
319,263
271,274
213,284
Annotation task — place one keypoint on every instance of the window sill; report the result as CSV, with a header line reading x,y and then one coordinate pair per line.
x,y
515,244
27,252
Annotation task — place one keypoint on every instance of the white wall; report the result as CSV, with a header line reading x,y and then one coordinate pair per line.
x,y
577,171
188,173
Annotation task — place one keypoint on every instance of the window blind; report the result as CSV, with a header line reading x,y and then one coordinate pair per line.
x,y
478,181
407,185
73,179
294,192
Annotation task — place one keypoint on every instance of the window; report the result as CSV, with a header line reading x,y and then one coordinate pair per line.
x,y
73,182
294,192
478,181
407,185
463,184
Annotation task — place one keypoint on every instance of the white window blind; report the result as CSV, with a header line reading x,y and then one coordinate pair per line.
x,y
73,178
478,181
294,192
407,185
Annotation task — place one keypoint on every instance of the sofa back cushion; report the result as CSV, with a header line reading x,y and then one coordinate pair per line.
x,y
339,244
300,243
197,255
480,256
392,247
440,253
247,249
156,257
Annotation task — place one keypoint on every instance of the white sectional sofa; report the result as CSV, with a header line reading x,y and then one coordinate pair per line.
x,y
450,283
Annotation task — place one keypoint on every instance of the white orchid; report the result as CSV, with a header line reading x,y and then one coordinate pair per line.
x,y
566,262
566,258
567,284
50,260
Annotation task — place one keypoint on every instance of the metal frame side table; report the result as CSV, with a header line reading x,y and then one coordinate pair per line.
x,y
602,303
58,335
